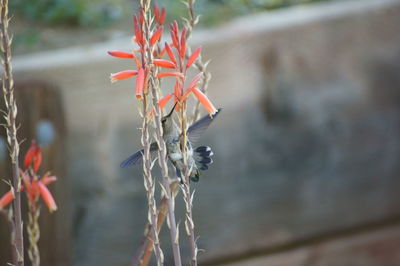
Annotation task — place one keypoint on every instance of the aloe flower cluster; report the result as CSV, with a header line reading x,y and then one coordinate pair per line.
x,y
171,56
34,186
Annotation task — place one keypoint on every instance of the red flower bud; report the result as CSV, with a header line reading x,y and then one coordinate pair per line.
x,y
33,157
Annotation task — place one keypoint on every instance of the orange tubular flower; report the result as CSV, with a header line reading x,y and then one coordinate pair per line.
x,y
137,61
182,51
174,34
120,54
37,187
204,101
156,12
164,100
194,81
170,53
169,74
6,199
178,93
156,36
34,189
160,54
164,63
33,157
47,197
46,180
123,75
193,57
162,16
140,84
186,94
138,31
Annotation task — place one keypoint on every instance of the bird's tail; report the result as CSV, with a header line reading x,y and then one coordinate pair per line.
x,y
202,156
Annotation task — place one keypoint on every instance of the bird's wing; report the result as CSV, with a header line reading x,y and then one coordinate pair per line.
x,y
197,129
137,157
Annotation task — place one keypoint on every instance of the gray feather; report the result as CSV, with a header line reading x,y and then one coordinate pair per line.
x,y
203,167
197,129
206,161
137,157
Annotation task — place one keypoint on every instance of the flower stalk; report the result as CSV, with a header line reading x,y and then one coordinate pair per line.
x,y
201,66
162,152
186,190
149,183
10,115
33,231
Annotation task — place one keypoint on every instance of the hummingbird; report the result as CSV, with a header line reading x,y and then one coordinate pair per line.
x,y
198,159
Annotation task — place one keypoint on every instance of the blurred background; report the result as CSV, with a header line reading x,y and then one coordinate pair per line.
x,y
307,147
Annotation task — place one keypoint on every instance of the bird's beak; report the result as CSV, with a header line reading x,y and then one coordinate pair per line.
x,y
173,108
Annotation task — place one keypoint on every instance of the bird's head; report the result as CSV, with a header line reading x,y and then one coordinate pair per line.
x,y
167,121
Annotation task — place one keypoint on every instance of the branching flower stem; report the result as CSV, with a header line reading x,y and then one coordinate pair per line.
x,y
162,152
33,231
149,183
11,128
185,186
191,22
186,191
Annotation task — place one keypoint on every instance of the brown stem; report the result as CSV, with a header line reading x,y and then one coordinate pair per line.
x,y
33,231
11,115
162,213
143,253
137,258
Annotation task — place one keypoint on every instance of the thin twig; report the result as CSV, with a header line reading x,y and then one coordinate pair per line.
x,y
10,116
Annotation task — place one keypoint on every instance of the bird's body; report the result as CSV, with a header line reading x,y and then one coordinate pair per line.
x,y
172,138
197,159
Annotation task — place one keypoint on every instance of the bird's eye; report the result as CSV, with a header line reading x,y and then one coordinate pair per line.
x,y
163,120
